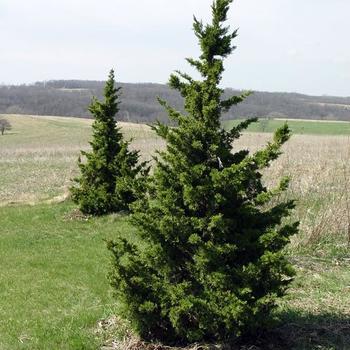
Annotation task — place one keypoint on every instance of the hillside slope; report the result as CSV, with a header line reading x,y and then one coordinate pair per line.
x,y
139,102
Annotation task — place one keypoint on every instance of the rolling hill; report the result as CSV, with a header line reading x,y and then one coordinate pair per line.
x,y
139,102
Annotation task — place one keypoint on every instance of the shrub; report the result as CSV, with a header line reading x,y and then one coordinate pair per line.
x,y
208,265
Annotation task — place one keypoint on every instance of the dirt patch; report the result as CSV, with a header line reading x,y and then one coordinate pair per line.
x,y
76,215
118,336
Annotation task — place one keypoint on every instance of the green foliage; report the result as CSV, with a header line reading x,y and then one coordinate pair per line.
x,y
109,179
209,263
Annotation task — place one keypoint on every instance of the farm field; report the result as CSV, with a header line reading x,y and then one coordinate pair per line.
x,y
300,127
54,263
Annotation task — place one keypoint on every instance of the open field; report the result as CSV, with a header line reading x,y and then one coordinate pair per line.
x,y
54,264
301,127
38,158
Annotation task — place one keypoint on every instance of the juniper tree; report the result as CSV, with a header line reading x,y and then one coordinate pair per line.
x,y
111,177
209,263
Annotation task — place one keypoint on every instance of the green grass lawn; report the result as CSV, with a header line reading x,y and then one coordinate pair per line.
x,y
297,126
53,277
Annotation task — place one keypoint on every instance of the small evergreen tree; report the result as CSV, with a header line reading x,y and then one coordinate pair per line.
x,y
109,179
209,263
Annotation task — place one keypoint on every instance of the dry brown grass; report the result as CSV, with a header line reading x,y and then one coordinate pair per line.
x,y
38,159
319,169
118,336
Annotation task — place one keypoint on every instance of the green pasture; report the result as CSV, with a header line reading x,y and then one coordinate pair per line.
x,y
301,127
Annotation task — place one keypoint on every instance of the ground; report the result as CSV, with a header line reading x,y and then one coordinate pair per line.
x,y
54,291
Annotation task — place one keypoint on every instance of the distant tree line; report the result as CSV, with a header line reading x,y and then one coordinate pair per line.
x,y
139,102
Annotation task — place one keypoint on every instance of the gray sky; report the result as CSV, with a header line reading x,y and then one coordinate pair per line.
x,y
283,45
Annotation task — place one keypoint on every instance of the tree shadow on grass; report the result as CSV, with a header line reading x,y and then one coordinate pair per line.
x,y
299,331
295,331
306,331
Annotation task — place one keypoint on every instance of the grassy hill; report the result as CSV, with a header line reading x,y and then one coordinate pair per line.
x,y
54,292
139,101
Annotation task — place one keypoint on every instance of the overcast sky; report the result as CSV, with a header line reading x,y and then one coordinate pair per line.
x,y
283,45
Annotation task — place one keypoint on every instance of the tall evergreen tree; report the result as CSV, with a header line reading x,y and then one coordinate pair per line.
x,y
109,179
209,264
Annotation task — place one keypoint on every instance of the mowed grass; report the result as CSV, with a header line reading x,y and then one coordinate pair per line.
x,y
53,280
300,127
54,288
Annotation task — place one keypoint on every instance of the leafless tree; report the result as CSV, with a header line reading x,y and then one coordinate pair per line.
x,y
4,125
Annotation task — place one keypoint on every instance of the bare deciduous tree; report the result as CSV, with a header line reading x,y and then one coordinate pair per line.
x,y
4,125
